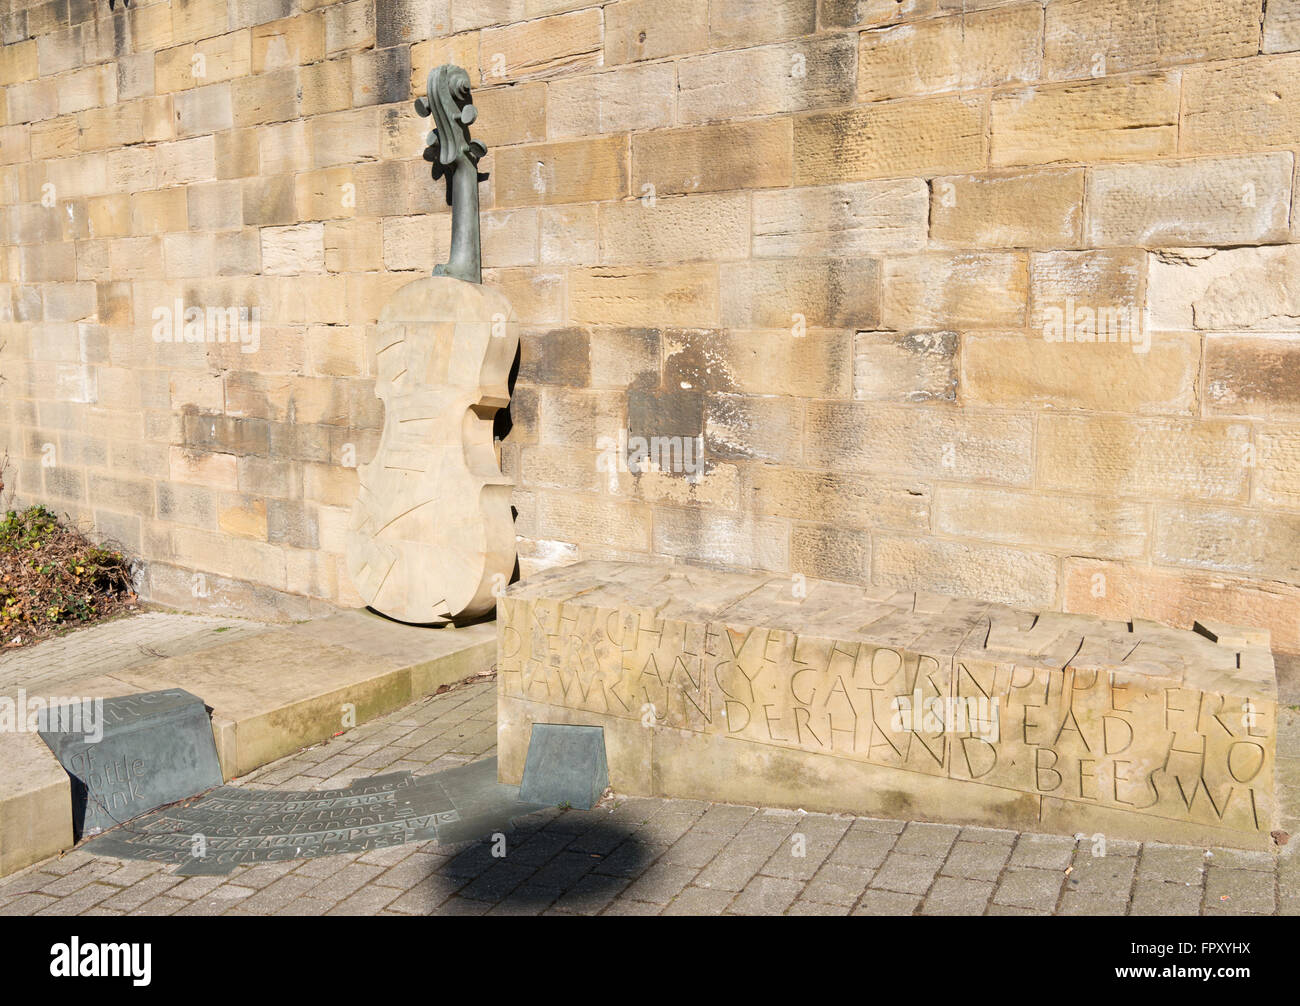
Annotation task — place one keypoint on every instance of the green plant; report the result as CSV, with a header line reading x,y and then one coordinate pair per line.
x,y
52,576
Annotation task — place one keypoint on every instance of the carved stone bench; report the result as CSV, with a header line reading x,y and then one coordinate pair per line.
x,y
769,690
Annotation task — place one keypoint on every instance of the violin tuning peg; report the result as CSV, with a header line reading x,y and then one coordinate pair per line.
x,y
421,106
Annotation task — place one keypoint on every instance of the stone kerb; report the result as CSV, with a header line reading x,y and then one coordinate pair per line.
x,y
759,689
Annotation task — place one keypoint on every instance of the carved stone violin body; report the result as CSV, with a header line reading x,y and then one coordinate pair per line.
x,y
432,536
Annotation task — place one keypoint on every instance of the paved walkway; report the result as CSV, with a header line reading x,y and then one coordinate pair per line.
x,y
671,857
114,646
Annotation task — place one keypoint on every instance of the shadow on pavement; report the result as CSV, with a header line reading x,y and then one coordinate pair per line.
x,y
577,862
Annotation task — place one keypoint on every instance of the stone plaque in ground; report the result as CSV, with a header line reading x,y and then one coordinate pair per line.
x,y
566,766
232,825
751,688
132,753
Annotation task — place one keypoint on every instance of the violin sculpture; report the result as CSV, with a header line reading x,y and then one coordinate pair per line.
x,y
432,537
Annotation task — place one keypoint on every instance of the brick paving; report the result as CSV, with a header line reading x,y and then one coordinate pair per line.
x,y
639,856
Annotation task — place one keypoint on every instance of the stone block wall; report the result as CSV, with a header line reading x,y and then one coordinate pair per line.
x,y
852,249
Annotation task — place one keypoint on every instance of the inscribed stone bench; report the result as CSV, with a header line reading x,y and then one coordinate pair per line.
x,y
770,690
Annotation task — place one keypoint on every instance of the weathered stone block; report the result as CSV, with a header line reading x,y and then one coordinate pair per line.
x,y
509,238
778,78
556,356
45,140
961,53
596,521
186,162
1224,289
292,250
18,62
942,290
651,29
345,137
549,47
1096,38
796,294
830,497
267,97
537,294
91,87
295,41
1282,26
1006,575
830,552
223,58
1181,459
158,211
1253,375
174,69
320,195
350,26
1012,370
193,19
1121,118
685,296
861,218
237,153
815,363
926,442
509,115
675,230
1106,282
1009,209
1227,201
911,367
930,136
401,22
1277,478
380,77
743,427
1102,527
640,97
732,23
1228,540
844,699
722,539
57,51
571,172
733,155
1245,104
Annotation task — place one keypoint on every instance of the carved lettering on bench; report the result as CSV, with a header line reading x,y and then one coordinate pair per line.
x,y
1136,719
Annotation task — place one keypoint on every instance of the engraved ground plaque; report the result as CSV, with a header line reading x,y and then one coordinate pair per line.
x,y
132,754
233,825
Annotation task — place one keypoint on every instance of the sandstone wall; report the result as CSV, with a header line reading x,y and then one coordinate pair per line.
x,y
834,240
